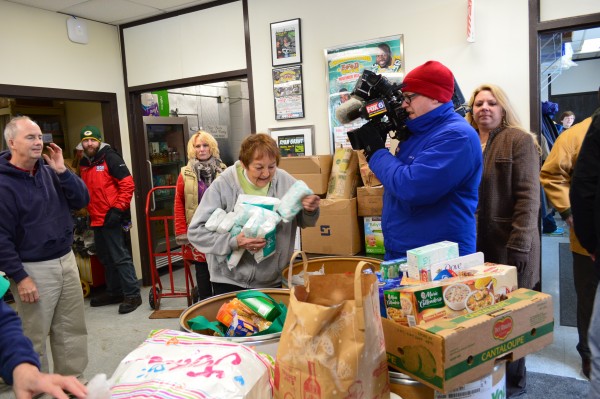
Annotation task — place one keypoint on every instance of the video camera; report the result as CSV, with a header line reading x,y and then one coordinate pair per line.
x,y
379,101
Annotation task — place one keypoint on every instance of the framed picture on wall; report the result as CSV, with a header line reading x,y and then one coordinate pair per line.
x,y
345,64
294,141
287,92
286,42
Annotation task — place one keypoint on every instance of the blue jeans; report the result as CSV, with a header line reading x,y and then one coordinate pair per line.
x,y
114,255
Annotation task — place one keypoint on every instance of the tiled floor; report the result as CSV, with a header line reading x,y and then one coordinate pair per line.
x,y
560,358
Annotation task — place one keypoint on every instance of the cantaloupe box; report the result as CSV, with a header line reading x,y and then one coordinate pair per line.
x,y
475,288
312,170
422,257
446,354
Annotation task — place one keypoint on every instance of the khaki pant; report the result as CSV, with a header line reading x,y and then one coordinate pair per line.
x,y
59,312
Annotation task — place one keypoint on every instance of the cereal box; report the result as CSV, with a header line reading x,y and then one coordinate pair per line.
x,y
474,289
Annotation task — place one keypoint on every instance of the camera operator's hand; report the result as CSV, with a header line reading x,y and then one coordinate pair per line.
x,y
370,136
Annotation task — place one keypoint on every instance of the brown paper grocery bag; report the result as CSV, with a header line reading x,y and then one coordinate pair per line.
x,y
368,177
332,343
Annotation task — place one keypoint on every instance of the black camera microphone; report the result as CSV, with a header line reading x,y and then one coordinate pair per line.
x,y
349,111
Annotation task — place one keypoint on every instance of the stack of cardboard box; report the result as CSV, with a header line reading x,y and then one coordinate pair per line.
x,y
335,179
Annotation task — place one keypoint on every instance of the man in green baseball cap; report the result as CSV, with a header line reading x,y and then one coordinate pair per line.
x,y
91,132
111,188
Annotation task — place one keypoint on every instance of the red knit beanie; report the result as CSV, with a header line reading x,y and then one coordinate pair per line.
x,y
432,80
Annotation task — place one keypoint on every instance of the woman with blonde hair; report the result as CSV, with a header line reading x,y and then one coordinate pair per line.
x,y
255,173
202,169
509,197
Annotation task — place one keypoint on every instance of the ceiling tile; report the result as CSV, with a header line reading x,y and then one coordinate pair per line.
x,y
110,10
54,5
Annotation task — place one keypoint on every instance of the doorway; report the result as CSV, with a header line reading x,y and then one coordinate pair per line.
x,y
219,104
562,358
44,101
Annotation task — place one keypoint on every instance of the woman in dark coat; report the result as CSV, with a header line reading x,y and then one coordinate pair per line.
x,y
509,197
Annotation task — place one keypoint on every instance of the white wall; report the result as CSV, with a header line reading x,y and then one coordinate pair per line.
x,y
584,77
558,9
80,114
37,52
194,44
432,29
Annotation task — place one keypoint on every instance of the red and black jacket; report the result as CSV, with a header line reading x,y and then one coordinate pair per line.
x,y
109,182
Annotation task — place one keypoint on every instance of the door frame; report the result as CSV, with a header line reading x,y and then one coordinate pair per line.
x,y
537,28
108,104
143,184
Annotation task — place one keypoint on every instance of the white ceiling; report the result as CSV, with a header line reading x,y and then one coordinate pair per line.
x,y
118,12
113,12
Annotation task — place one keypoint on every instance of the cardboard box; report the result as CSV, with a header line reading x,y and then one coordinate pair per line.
x,y
447,354
370,201
313,170
336,231
451,297
419,259
373,235
489,387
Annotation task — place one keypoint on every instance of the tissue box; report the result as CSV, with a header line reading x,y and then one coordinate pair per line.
x,y
422,257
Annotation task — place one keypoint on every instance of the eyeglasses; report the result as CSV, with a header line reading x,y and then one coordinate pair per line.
x,y
408,98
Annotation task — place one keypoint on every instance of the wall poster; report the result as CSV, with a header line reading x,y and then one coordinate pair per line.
x,y
287,92
346,63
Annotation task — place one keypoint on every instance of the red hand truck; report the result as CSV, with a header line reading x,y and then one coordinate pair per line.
x,y
168,256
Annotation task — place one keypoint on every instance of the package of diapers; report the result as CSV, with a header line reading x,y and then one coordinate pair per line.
x,y
291,202
215,219
173,364
263,224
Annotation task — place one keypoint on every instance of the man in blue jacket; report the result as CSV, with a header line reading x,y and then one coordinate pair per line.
x,y
432,181
19,364
36,234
